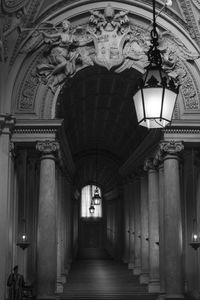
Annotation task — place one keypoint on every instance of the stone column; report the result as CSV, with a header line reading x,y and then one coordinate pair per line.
x,y
172,221
137,262
68,229
153,200
126,225
144,276
131,225
47,242
6,124
161,228
198,225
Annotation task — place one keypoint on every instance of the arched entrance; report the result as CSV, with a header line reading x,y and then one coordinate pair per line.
x,y
70,95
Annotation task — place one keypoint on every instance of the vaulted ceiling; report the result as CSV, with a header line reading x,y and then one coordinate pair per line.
x,y
99,117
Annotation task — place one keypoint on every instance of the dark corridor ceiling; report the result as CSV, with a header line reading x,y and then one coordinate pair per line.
x,y
99,113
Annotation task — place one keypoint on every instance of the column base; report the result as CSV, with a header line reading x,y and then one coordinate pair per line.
x,y
136,271
144,278
154,287
131,265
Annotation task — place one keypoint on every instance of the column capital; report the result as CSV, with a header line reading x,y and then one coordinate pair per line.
x,y
47,147
149,164
7,123
171,147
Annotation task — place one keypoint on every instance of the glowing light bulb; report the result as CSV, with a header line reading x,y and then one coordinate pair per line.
x,y
23,237
168,3
195,237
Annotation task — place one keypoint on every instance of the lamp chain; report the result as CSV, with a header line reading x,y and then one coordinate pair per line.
x,y
154,55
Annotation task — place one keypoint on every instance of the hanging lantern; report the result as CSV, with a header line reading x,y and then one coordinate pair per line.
x,y
156,97
195,241
96,198
91,209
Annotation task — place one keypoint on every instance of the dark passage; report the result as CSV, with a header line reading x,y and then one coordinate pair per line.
x,y
94,275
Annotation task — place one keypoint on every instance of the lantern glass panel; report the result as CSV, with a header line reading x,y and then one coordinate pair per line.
x,y
168,104
153,102
139,106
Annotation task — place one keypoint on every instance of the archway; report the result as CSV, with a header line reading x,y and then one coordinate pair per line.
x,y
36,88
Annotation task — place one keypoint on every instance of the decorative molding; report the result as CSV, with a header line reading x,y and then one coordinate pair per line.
x,y
34,130
11,6
82,46
47,147
171,147
190,20
107,40
28,88
190,91
196,3
182,130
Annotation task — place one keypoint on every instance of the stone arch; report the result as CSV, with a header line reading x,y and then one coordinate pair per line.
x,y
31,93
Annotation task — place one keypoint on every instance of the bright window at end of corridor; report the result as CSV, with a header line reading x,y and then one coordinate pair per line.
x,y
87,193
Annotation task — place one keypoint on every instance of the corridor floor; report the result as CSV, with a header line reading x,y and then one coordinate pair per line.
x,y
100,277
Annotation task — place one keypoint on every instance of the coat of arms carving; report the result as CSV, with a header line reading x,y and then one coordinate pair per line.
x,y
109,32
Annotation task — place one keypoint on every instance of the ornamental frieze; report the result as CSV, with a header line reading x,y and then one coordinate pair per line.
x,y
108,40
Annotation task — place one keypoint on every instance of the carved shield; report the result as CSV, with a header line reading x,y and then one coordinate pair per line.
x,y
108,46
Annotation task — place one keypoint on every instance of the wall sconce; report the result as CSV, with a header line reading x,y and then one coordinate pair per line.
x,y
23,242
195,243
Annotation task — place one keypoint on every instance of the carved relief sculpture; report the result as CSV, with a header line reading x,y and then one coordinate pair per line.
x,y
107,40
109,32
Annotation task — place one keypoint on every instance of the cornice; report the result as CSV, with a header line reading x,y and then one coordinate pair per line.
x,y
183,130
189,133
34,130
